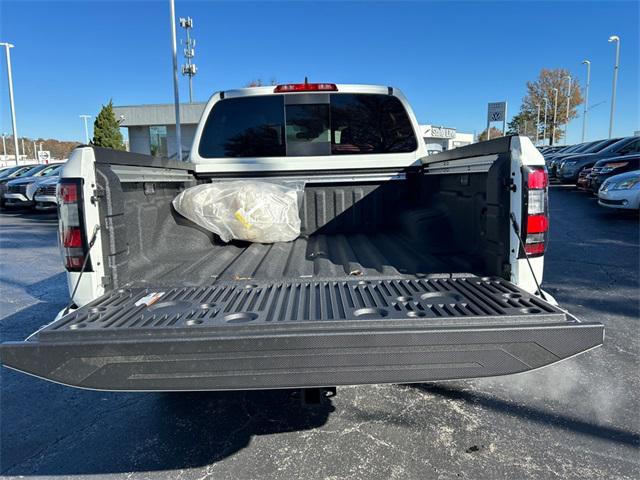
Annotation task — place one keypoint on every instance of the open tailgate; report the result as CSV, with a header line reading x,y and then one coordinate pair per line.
x,y
255,335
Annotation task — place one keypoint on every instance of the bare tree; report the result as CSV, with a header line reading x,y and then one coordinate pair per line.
x,y
542,88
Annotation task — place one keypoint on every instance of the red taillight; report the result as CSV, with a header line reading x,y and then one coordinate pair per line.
x,y
537,224
534,249
72,238
68,192
536,214
306,87
73,241
538,179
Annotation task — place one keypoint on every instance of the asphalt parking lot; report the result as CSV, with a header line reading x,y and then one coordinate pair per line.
x,y
577,419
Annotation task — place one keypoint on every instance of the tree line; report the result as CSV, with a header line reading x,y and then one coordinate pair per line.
x,y
58,149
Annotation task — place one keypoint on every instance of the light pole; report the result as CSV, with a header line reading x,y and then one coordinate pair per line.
x,y
616,39
586,99
176,92
566,125
555,114
86,128
538,124
544,124
4,145
35,153
8,46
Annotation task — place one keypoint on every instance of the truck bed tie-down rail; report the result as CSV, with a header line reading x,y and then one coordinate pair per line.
x,y
302,333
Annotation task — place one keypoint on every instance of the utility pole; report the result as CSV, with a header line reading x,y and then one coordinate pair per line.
x,y
24,152
538,124
189,52
544,124
4,145
616,39
86,128
566,126
8,46
35,153
555,114
176,91
586,99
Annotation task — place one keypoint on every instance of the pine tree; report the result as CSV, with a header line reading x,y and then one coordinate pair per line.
x,y
106,129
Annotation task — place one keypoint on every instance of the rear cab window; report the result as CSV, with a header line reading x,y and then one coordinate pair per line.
x,y
307,124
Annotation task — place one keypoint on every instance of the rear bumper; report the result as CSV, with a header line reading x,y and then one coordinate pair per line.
x,y
293,336
301,359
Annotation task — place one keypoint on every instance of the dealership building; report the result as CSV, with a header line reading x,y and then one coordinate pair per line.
x,y
152,128
152,131
439,139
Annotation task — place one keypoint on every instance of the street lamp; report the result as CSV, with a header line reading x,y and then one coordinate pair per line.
x,y
544,124
8,46
616,39
586,98
555,114
566,125
176,91
537,124
86,128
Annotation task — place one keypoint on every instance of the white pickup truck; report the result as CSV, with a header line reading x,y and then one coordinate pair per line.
x,y
408,268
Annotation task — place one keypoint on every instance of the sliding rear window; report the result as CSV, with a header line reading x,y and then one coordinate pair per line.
x,y
307,125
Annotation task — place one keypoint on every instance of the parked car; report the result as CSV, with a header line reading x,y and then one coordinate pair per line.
x,y
381,283
9,174
45,193
550,150
583,180
560,150
572,166
621,191
18,192
554,159
587,148
609,167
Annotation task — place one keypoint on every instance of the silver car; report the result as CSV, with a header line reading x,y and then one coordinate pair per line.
x,y
621,191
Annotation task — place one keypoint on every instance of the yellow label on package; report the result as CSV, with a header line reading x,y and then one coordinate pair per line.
x,y
241,216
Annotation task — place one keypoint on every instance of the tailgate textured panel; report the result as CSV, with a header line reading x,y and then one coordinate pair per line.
x,y
244,335
244,302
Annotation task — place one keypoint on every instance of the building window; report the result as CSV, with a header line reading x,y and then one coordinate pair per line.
x,y
158,141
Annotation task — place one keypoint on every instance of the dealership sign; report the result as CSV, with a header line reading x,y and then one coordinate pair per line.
x,y
432,131
496,112
44,156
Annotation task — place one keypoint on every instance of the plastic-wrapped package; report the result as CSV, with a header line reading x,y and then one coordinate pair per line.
x,y
256,211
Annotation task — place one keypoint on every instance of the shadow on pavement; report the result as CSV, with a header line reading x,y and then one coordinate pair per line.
x,y
533,414
129,432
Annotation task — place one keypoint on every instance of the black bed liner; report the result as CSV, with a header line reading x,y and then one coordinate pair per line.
x,y
378,255
245,334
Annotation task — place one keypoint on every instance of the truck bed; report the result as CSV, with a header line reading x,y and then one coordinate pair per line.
x,y
380,255
247,334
